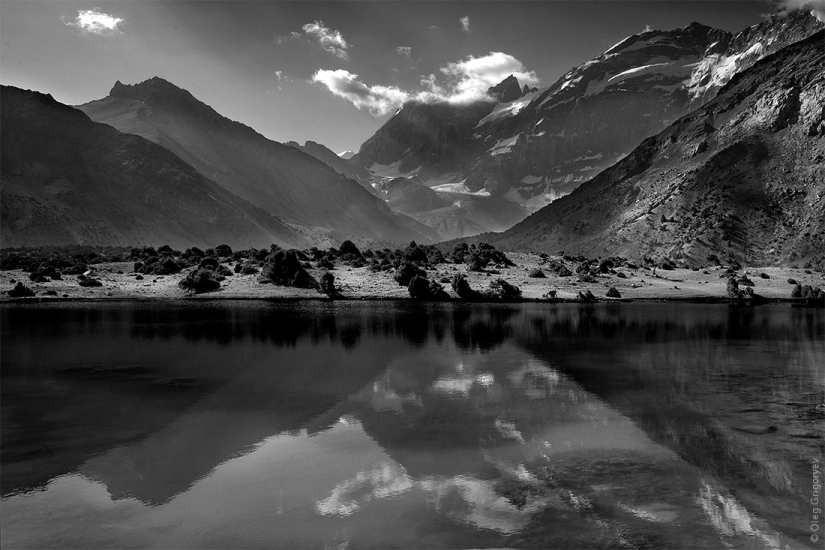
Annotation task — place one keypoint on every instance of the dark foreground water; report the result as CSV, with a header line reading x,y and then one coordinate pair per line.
x,y
380,425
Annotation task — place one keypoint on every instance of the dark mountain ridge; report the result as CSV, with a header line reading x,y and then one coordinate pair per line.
x,y
69,180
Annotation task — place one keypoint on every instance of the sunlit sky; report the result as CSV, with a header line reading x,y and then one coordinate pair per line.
x,y
330,72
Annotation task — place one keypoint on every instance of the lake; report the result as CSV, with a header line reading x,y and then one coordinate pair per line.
x,y
402,425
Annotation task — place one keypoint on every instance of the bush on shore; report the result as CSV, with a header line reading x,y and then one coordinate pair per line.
x,y
201,280
20,291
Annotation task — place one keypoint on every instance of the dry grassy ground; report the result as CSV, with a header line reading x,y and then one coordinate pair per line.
x,y
119,282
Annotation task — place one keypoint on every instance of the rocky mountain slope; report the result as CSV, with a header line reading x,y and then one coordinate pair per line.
x,y
742,177
282,180
536,146
68,180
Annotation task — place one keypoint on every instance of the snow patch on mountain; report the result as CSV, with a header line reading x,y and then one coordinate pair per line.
x,y
680,69
503,146
714,71
512,108
459,188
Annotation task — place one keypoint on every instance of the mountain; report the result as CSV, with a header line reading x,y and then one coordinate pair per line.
x,y
537,146
741,177
410,196
346,155
68,180
280,179
342,166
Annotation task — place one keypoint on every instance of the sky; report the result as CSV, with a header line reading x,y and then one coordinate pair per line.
x,y
331,72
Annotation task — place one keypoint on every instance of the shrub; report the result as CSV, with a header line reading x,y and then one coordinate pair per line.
x,y
326,283
475,262
284,268
586,296
743,280
536,273
733,288
502,290
248,268
613,293
421,288
209,263
223,271
223,250
621,275
405,272
324,263
558,268
348,247
792,281
20,291
462,287
88,281
201,280
586,278
164,266
764,275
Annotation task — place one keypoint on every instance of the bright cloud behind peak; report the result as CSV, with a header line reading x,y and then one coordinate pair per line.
x,y
96,22
467,81
465,23
329,39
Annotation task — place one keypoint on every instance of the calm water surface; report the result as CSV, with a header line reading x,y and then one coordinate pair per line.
x,y
381,425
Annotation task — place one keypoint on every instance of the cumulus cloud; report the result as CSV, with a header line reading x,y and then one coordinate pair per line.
x,y
816,6
96,22
379,100
462,82
465,23
647,28
406,51
471,77
331,40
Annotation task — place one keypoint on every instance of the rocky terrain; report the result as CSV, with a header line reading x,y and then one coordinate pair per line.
x,y
742,177
119,281
68,180
531,147
283,180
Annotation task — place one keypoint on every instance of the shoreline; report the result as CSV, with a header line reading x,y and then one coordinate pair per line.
x,y
119,284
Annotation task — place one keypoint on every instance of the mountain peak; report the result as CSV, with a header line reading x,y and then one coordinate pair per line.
x,y
507,90
155,88
695,25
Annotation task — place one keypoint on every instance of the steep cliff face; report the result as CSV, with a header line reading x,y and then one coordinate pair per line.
x,y
282,180
539,146
68,180
741,177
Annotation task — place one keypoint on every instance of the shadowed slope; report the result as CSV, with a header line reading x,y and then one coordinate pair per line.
x,y
68,180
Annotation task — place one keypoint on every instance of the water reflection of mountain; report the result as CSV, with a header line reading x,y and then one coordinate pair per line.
x,y
151,399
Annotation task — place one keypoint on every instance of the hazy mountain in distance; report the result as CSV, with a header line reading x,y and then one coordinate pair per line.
x,y
342,166
537,146
282,180
742,176
68,180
